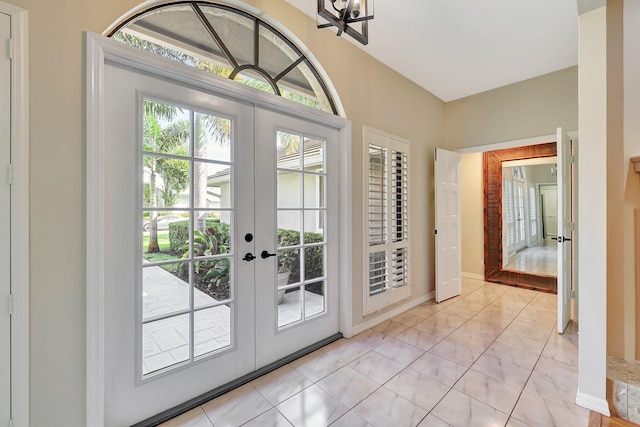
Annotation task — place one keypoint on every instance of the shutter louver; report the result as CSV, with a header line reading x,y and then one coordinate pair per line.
x,y
399,197
399,268
377,195
377,272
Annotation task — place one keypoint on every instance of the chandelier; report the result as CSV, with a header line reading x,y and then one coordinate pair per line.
x,y
349,16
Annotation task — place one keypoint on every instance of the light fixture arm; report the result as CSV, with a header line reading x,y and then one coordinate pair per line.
x,y
350,13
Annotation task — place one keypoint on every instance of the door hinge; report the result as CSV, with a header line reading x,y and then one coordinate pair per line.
x,y
10,424
10,304
573,294
10,48
435,231
9,174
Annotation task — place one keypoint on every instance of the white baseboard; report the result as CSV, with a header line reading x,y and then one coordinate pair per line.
x,y
368,324
472,276
592,403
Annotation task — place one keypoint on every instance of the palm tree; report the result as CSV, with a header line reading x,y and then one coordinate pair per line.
x,y
158,139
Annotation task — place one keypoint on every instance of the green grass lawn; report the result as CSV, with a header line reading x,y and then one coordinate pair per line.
x,y
163,242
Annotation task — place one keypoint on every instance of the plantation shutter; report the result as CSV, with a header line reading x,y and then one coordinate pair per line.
x,y
387,226
533,214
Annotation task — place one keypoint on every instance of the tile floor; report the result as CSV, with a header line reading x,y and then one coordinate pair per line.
x,y
541,259
490,357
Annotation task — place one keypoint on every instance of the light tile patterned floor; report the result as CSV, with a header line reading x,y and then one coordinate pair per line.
x,y
490,357
542,259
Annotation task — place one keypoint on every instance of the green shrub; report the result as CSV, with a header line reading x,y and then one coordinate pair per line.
x,y
179,234
313,257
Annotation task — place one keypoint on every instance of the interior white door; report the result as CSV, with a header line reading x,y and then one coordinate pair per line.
x,y
297,192
5,220
447,225
173,333
549,198
520,215
565,227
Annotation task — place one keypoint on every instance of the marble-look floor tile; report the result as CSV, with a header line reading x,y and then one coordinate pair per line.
x,y
433,421
390,328
347,350
271,418
441,370
561,354
385,408
433,328
279,385
536,411
560,371
514,422
444,318
501,370
497,321
425,310
417,388
236,407
194,418
407,319
418,338
316,365
551,389
399,351
376,367
479,328
474,341
524,342
348,386
461,410
494,393
526,328
514,354
351,419
463,312
312,407
458,353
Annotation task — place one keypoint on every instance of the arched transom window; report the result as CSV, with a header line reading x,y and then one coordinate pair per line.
x,y
231,43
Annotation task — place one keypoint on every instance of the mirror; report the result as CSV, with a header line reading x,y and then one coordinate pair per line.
x,y
494,259
529,216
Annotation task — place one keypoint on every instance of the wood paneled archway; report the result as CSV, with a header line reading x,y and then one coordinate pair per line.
x,y
493,271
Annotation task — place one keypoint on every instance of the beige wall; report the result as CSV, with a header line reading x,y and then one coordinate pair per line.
x,y
472,214
56,80
530,108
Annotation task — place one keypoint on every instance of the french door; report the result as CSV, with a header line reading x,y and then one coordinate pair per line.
x,y
209,202
520,214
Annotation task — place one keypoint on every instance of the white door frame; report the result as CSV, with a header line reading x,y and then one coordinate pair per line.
x,y
100,49
19,213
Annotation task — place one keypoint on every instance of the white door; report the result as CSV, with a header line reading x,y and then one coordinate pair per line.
x,y
549,198
179,322
5,211
447,225
296,234
220,186
565,227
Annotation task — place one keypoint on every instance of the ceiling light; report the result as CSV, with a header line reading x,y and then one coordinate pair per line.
x,y
349,16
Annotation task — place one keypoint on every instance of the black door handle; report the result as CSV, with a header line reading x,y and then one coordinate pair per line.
x,y
249,257
563,239
554,238
266,254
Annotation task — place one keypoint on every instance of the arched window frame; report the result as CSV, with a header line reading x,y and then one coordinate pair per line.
x,y
304,56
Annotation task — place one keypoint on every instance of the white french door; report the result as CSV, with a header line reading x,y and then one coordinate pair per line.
x,y
565,227
448,226
5,223
232,194
296,234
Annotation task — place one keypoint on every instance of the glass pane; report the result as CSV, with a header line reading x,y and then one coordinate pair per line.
x,y
313,155
165,343
166,182
288,150
288,223
165,129
212,185
288,262
313,262
163,290
289,189
213,279
211,329
314,299
170,238
302,86
314,221
289,306
213,137
314,186
235,30
255,80
212,233
275,54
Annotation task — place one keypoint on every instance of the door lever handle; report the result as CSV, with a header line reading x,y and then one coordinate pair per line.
x,y
249,257
266,254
